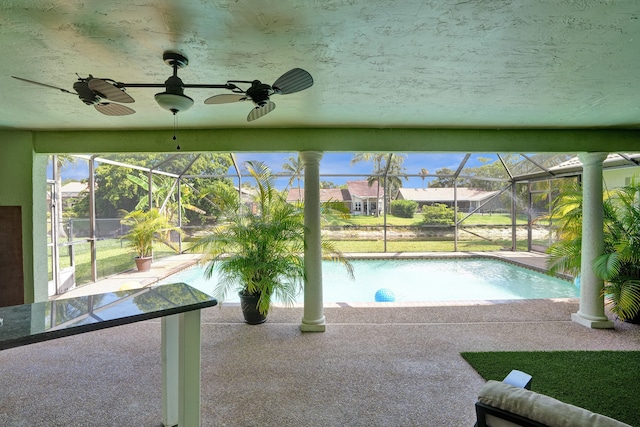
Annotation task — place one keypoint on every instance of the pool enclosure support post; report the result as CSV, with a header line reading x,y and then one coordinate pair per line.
x,y
514,224
591,311
92,219
179,197
455,215
529,217
181,369
313,319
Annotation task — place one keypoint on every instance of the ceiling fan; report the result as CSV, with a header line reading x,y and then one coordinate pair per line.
x,y
107,95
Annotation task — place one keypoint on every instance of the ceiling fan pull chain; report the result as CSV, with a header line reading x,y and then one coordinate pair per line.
x,y
175,129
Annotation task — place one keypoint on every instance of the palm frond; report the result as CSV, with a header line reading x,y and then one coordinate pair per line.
x,y
259,252
623,298
619,265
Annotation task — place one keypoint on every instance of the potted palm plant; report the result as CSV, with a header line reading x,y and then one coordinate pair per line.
x,y
619,265
145,229
257,250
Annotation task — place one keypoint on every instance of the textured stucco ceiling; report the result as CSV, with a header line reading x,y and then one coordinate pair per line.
x,y
491,64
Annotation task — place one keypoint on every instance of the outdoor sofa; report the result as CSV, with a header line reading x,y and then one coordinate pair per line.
x,y
509,404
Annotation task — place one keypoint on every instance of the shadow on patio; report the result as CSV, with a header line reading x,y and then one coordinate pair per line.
x,y
374,366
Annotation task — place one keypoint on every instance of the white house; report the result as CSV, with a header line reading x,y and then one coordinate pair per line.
x,y
365,199
361,198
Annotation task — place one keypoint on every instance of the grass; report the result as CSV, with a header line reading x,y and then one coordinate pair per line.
x,y
423,246
114,257
475,219
605,382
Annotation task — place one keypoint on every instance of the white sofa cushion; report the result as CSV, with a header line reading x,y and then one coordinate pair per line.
x,y
541,408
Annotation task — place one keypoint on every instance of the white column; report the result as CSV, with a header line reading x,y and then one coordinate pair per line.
x,y
181,369
313,318
591,312
170,370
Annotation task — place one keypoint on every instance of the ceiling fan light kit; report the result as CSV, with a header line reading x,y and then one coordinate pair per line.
x,y
174,102
174,99
107,95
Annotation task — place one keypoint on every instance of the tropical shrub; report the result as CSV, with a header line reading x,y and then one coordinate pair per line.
x,y
403,208
438,214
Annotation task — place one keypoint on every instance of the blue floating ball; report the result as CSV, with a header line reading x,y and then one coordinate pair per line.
x,y
385,295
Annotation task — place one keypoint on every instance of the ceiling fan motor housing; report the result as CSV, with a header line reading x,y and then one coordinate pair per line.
x,y
87,96
174,85
173,98
259,93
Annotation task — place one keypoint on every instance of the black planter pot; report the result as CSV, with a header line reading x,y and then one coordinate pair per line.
x,y
249,304
635,319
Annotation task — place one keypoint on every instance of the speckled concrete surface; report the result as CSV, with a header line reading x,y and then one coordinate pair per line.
x,y
383,366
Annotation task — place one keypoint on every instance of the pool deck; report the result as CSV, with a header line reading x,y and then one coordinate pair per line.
x,y
165,267
374,366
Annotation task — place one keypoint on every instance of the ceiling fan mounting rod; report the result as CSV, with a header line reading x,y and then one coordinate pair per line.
x,y
176,61
201,86
241,81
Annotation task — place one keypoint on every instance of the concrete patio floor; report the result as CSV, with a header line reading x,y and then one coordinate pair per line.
x,y
374,366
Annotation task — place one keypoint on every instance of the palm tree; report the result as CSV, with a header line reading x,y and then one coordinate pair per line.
x,y
566,214
384,164
394,173
59,161
164,196
619,266
376,159
260,254
423,175
294,166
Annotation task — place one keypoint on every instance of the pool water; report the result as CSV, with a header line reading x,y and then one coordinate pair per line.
x,y
419,280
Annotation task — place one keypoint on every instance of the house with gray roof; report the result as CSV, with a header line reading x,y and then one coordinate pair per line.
x,y
469,199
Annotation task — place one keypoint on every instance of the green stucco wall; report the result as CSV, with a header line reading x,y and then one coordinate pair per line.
x,y
368,140
19,183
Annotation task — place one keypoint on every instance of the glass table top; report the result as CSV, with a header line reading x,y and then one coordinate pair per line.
x,y
41,321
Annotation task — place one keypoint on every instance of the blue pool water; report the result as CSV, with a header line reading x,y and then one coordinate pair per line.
x,y
420,280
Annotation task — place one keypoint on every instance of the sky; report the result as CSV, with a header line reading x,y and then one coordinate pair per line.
x,y
331,164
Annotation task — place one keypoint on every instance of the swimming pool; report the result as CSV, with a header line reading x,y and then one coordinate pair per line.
x,y
412,280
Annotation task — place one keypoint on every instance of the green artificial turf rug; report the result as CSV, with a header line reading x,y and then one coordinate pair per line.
x,y
606,382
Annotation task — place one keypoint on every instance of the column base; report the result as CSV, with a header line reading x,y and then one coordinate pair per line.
x,y
314,326
593,323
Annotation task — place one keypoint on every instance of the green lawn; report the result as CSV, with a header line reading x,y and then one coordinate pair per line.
x,y
605,382
368,246
114,257
485,219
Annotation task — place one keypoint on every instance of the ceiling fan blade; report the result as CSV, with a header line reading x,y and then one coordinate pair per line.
x,y
109,109
293,81
44,84
225,98
109,91
260,111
